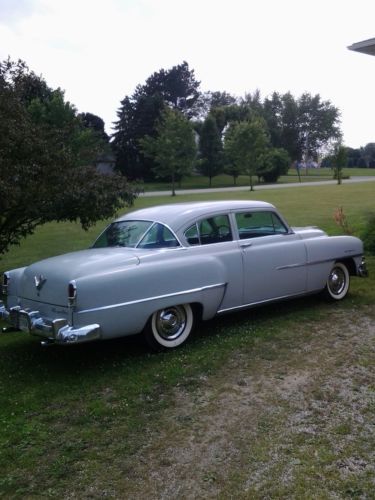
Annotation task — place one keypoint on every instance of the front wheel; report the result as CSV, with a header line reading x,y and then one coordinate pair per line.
x,y
169,327
338,282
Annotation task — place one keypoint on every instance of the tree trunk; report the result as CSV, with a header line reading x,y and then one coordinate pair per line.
x,y
251,183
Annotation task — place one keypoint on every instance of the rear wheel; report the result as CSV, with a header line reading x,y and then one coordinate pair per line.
x,y
338,282
169,327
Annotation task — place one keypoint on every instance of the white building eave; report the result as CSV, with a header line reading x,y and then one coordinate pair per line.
x,y
366,47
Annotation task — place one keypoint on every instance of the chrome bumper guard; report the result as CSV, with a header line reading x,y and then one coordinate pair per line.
x,y
57,331
362,269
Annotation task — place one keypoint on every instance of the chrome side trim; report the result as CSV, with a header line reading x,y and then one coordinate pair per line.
x,y
290,266
149,299
266,301
332,259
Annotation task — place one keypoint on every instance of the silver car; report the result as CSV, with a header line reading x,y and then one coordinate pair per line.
x,y
160,269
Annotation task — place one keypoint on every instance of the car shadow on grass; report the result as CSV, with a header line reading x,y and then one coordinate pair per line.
x,y
21,354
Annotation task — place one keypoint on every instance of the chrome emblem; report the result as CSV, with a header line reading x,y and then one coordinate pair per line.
x,y
39,281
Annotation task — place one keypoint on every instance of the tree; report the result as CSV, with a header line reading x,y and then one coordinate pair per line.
x,y
339,161
302,126
96,124
177,86
44,155
139,114
210,149
318,124
173,149
137,118
244,144
273,163
368,154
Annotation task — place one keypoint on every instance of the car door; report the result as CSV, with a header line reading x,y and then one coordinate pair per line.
x,y
274,258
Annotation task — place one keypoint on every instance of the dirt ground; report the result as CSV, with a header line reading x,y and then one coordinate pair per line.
x,y
293,418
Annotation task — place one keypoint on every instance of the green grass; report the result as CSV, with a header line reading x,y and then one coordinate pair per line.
x,y
73,420
223,180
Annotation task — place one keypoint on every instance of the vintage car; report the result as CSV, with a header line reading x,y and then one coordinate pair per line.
x,y
158,270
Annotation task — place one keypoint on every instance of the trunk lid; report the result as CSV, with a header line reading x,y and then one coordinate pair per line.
x,y
47,280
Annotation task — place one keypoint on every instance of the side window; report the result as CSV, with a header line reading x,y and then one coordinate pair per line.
x,y
158,236
211,230
192,235
256,224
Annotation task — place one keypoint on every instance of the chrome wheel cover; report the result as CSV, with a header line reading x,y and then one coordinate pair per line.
x,y
170,323
337,281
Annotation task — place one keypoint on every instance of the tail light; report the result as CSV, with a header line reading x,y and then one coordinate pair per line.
x,y
72,292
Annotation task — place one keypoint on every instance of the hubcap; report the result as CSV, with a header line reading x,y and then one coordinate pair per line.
x,y
337,281
171,322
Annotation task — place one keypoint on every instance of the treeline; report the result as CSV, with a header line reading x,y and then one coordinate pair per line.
x,y
355,157
233,135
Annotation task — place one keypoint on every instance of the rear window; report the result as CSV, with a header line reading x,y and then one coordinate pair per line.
x,y
137,234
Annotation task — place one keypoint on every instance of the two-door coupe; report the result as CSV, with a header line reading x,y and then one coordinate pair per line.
x,y
158,270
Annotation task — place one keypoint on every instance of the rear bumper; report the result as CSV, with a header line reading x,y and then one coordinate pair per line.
x,y
56,331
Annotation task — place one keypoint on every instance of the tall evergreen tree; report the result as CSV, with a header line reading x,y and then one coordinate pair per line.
x,y
210,149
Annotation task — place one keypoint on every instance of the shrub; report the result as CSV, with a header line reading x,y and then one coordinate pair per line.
x,y
274,163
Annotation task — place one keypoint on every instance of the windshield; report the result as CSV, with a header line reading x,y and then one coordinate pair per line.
x,y
136,234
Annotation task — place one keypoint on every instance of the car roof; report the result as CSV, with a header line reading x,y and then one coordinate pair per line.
x,y
176,215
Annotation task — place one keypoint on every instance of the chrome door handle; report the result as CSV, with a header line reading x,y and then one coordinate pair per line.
x,y
245,245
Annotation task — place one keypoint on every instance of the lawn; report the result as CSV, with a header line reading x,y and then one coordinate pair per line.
x,y
223,180
277,402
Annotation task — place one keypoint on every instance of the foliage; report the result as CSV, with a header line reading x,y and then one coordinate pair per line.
x,y
362,157
173,149
96,124
273,163
302,126
245,142
44,153
210,149
139,114
342,221
368,234
138,117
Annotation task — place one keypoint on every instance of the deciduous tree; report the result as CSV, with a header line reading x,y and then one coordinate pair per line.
x,y
173,149
244,144
45,153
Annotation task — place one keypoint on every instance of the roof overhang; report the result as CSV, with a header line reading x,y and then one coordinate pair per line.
x,y
366,47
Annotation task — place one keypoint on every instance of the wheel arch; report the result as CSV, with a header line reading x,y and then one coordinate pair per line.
x,y
350,264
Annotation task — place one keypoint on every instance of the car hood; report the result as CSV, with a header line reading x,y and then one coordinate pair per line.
x,y
47,280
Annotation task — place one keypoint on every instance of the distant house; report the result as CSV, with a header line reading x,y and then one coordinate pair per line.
x,y
105,163
366,47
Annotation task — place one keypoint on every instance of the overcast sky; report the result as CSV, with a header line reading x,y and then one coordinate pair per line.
x,y
99,50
